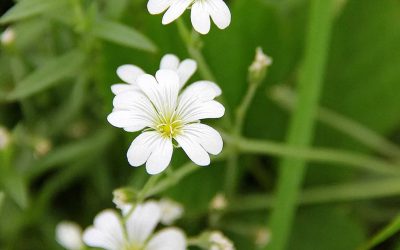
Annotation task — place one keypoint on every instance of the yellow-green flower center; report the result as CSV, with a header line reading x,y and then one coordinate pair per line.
x,y
169,127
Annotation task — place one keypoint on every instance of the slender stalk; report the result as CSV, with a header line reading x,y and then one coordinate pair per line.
x,y
285,97
292,170
322,155
392,228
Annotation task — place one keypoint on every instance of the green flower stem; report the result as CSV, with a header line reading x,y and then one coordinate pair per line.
x,y
392,228
292,170
231,180
178,175
363,190
322,155
285,97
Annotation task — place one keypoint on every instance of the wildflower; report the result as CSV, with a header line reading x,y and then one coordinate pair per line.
x,y
129,73
4,138
170,211
201,12
123,197
110,233
69,235
168,116
7,37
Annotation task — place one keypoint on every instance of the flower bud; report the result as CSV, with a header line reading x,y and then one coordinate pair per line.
x,y
124,197
262,237
69,235
8,37
5,138
258,68
214,240
42,147
219,202
170,211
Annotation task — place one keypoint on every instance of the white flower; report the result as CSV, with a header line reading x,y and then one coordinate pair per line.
x,y
201,12
129,73
110,233
170,211
8,36
157,107
69,235
220,242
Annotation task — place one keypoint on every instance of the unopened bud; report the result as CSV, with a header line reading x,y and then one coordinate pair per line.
x,y
8,37
5,138
219,202
218,241
42,147
170,211
124,197
69,235
258,68
262,237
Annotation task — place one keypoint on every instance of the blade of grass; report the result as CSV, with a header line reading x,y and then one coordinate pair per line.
x,y
384,234
291,170
286,98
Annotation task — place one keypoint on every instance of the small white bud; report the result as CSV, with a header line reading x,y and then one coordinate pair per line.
x,y
170,211
262,237
219,202
69,235
258,68
8,37
124,197
218,241
5,138
42,147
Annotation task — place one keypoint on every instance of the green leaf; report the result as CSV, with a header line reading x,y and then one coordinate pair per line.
x,y
122,35
16,188
52,72
29,8
1,199
392,228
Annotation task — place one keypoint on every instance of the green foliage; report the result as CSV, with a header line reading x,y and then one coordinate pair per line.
x,y
55,87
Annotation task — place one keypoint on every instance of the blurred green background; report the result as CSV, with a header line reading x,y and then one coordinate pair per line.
x,y
65,160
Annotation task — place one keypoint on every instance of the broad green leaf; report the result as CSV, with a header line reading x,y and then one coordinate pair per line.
x,y
49,74
29,8
122,35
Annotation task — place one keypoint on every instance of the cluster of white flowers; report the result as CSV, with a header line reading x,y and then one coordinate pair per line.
x,y
166,114
135,231
201,12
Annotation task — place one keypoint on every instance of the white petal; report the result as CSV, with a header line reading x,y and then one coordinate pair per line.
x,y
206,136
141,224
128,120
206,110
141,148
158,6
204,90
149,85
168,239
193,149
169,61
185,70
160,157
129,73
106,233
176,9
168,89
122,87
69,235
219,12
200,17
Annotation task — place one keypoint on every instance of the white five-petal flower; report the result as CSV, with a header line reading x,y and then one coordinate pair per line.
x,y
110,233
201,12
166,115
